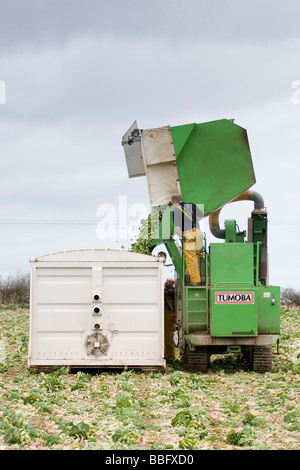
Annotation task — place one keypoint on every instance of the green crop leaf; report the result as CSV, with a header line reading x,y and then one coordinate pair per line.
x,y
182,418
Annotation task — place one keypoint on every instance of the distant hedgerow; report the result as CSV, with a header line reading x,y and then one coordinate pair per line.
x,y
290,296
15,289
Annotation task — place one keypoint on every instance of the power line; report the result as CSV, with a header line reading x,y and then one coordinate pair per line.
x,y
61,222
47,222
98,222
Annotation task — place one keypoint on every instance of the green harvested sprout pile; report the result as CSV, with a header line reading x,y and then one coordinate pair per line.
x,y
147,231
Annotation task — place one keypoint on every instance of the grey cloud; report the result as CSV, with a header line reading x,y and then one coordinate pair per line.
x,y
36,23
78,73
103,80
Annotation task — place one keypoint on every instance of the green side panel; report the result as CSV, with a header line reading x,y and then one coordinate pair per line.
x,y
268,310
195,309
233,312
214,162
177,258
260,229
231,263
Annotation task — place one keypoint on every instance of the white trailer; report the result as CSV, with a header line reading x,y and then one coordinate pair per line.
x,y
96,308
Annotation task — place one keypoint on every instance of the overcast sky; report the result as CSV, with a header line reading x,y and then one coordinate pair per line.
x,y
76,74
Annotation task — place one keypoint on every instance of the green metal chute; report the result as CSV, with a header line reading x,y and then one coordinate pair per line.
x,y
214,162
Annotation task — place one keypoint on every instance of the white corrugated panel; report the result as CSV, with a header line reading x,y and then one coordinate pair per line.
x,y
152,153
96,308
160,165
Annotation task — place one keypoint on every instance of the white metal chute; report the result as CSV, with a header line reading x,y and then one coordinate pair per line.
x,y
160,165
150,153
133,152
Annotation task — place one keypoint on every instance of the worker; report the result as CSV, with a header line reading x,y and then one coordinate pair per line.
x,y
169,318
186,221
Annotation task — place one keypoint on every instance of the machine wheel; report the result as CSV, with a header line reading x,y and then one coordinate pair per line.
x,y
198,359
259,358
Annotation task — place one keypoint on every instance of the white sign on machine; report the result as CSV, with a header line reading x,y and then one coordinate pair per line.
x,y
234,297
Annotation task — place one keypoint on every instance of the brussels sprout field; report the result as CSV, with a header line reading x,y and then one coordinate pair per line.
x,y
229,407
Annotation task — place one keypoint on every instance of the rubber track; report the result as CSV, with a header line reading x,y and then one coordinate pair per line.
x,y
262,358
198,359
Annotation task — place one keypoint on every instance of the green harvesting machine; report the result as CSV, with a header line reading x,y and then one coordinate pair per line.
x,y
234,308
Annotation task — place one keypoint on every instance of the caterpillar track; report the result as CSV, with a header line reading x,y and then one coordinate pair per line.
x,y
258,358
198,359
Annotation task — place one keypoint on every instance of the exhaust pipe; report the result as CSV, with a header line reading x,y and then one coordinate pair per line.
x,y
248,195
